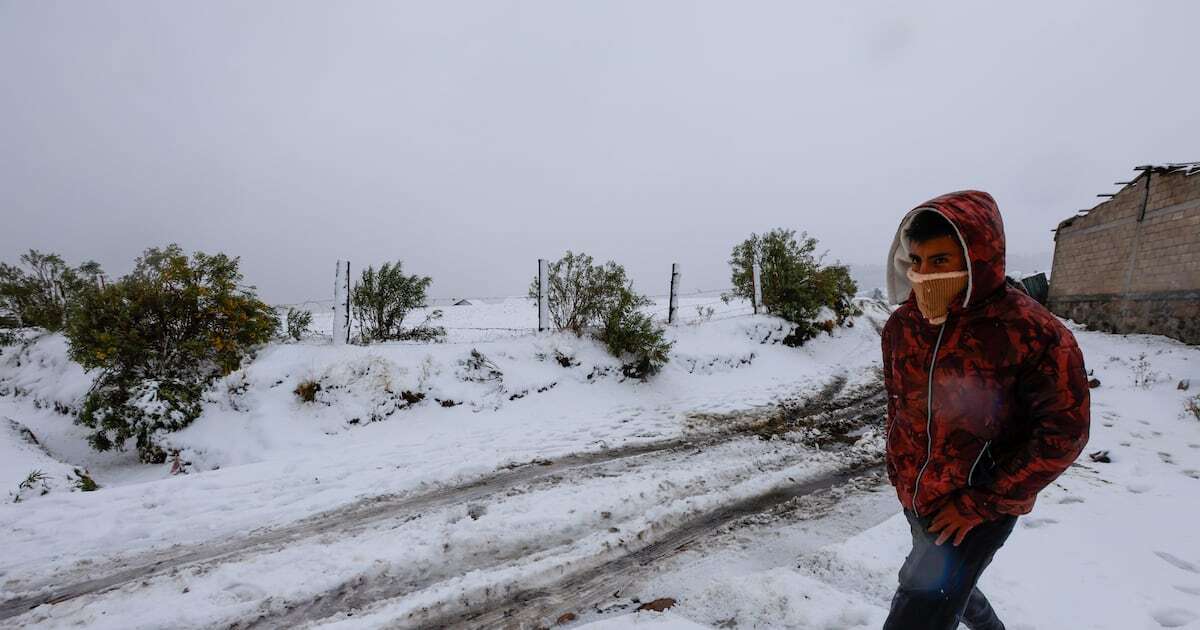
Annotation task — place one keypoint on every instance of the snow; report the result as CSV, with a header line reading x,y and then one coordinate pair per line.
x,y
1108,546
363,500
257,441
658,621
1188,168
23,460
42,371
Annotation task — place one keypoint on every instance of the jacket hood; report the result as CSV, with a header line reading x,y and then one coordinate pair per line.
x,y
976,219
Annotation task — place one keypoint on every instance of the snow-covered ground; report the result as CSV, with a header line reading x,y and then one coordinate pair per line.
x,y
737,482
1108,546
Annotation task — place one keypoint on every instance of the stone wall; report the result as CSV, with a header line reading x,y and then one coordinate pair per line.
x,y
1132,264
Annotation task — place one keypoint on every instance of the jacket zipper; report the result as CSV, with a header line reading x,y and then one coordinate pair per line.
x,y
928,420
887,442
983,450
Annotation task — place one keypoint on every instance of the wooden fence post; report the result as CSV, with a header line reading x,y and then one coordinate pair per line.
x,y
673,303
543,295
341,303
757,272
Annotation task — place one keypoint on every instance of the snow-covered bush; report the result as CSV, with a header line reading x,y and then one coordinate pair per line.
x,y
39,483
425,331
1192,406
632,336
36,483
126,407
704,314
586,297
40,294
1143,376
83,481
298,322
159,337
368,388
477,368
794,284
382,299
307,390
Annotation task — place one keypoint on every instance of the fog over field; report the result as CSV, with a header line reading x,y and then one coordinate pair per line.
x,y
469,139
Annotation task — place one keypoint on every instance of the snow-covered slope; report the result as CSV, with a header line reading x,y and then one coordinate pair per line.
x,y
260,458
517,387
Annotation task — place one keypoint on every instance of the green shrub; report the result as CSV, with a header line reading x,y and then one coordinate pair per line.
x,y
40,294
632,336
425,331
837,289
84,482
580,293
120,408
382,299
159,337
35,482
33,478
794,284
298,322
599,299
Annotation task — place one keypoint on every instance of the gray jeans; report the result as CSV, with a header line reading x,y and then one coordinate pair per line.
x,y
937,582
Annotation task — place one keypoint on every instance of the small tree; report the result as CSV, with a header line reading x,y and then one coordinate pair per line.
x,y
632,336
794,284
837,291
298,322
382,299
159,337
599,299
40,293
580,292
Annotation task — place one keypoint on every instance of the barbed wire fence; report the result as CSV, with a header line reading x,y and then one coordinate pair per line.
x,y
722,305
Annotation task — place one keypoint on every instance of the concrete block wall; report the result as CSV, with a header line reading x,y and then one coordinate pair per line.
x,y
1121,274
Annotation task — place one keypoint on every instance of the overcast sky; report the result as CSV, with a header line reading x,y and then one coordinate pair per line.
x,y
470,138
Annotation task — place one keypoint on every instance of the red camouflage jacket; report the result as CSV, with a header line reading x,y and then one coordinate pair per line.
x,y
990,407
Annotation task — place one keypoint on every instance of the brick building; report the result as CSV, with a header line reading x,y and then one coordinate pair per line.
x,y
1132,263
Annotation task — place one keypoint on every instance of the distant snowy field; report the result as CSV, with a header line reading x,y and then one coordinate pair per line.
x,y
491,319
547,463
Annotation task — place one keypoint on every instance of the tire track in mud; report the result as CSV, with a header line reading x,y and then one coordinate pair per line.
x,y
355,517
589,588
827,415
372,510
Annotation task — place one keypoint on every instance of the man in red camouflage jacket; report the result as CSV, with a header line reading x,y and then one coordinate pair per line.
x,y
987,404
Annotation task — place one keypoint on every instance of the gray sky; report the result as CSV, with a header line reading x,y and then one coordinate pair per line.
x,y
469,139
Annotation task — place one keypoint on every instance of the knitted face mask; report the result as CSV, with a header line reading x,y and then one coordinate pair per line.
x,y
935,291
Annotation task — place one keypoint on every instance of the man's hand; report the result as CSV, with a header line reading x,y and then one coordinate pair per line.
x,y
950,521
